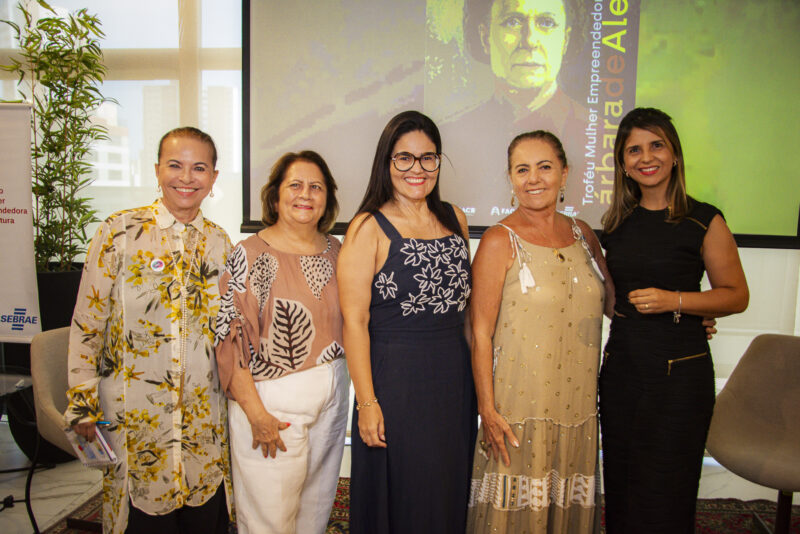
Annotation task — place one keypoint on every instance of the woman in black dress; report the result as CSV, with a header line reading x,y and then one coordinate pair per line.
x,y
657,378
404,282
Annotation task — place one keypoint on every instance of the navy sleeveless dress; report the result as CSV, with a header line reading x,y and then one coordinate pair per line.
x,y
422,377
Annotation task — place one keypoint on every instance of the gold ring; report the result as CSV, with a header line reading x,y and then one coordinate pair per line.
x,y
485,446
646,306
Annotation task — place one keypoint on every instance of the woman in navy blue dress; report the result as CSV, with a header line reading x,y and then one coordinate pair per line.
x,y
657,379
404,282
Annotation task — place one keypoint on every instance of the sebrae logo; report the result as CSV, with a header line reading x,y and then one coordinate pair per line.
x,y
19,319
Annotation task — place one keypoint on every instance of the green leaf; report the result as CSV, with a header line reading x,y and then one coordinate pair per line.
x,y
59,70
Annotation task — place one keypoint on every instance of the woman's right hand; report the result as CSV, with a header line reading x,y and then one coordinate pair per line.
x,y
86,430
266,435
495,431
370,426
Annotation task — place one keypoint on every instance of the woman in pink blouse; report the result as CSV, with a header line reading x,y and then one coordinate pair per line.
x,y
280,356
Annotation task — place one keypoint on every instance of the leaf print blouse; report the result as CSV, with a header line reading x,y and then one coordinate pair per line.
x,y
141,356
280,311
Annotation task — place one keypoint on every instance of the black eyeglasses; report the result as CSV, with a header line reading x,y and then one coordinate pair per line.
x,y
403,161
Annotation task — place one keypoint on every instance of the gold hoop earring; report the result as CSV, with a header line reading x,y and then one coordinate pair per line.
x,y
158,188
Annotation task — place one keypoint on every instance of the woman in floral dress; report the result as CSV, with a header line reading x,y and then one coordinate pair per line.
x,y
141,352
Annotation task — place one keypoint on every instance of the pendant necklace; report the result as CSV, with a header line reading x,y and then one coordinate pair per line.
x,y
557,253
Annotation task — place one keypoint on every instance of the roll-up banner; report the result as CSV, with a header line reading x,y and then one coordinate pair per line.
x,y
19,297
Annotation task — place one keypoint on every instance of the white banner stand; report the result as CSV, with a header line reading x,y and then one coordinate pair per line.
x,y
19,295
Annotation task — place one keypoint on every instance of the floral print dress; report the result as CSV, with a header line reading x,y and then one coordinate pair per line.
x,y
141,356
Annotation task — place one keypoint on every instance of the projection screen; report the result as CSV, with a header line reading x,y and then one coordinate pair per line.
x,y
327,76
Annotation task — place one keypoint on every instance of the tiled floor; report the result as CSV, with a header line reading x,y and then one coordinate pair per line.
x,y
55,492
58,491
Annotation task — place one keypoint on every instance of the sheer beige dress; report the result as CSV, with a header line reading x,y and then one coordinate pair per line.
x,y
546,350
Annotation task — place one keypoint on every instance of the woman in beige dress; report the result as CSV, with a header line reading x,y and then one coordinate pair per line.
x,y
540,283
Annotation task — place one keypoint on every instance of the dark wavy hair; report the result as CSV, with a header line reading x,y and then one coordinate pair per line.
x,y
627,193
542,135
477,12
194,133
380,189
270,193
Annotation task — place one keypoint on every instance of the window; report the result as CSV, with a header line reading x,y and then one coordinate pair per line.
x,y
161,78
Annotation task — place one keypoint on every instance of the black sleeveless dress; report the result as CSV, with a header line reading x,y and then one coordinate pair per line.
x,y
422,376
657,378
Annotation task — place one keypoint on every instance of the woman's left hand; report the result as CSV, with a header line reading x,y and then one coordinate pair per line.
x,y
87,430
710,325
265,429
652,300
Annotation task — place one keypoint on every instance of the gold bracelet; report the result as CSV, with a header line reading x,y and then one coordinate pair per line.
x,y
676,315
360,405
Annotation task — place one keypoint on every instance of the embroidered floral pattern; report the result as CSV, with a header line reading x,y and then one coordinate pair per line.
x,y
458,275
429,278
463,298
442,300
415,251
457,247
443,278
414,304
385,284
439,253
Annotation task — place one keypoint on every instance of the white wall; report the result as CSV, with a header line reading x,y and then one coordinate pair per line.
x,y
772,276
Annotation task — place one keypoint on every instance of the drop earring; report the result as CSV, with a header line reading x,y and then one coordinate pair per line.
x,y
562,191
158,188
513,198
211,194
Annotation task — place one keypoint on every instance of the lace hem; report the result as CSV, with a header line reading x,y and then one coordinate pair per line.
x,y
519,492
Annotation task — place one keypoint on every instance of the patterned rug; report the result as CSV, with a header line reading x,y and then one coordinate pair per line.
x,y
338,522
714,516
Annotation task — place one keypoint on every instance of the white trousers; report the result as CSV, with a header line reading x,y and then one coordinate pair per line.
x,y
293,492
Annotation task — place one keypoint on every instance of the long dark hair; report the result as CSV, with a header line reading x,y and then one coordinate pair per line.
x,y
380,189
627,193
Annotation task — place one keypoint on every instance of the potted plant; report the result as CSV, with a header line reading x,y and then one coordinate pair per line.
x,y
59,68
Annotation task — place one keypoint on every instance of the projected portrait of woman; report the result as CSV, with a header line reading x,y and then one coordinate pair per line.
x,y
525,43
